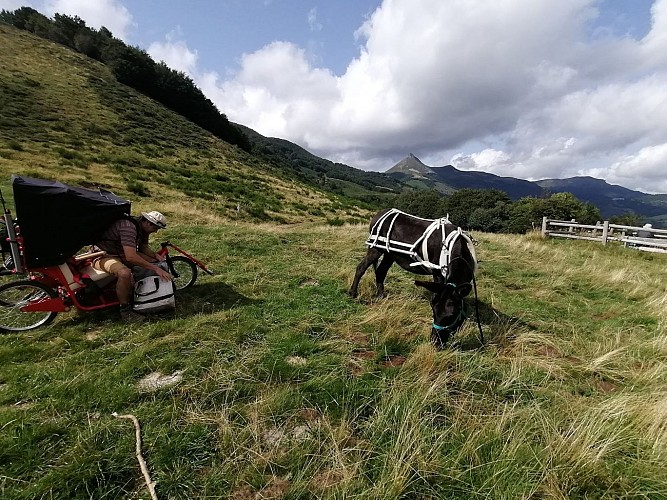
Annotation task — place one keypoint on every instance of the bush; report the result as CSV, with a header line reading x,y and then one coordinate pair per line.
x,y
138,188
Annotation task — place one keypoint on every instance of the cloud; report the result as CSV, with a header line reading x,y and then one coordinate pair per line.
x,y
108,13
313,23
175,53
648,164
11,5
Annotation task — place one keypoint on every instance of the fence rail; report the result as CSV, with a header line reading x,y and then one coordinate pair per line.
x,y
639,238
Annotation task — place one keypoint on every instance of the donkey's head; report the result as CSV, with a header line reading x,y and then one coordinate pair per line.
x,y
447,305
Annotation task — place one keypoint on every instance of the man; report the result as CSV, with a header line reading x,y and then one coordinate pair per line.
x,y
645,231
126,244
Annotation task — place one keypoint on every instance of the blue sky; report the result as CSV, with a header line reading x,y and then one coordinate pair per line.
x,y
525,88
221,31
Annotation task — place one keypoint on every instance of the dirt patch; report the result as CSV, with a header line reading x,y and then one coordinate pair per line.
x,y
604,386
356,363
23,405
276,436
245,492
360,339
355,368
276,488
548,351
363,354
156,380
309,414
392,360
327,479
607,315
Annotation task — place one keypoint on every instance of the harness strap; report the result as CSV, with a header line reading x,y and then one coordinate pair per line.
x,y
423,260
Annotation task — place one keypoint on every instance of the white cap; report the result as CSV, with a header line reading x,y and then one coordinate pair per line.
x,y
648,226
156,218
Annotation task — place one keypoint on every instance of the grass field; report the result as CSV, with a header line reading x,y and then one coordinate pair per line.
x,y
277,385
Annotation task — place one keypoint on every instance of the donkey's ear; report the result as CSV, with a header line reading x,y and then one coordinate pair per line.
x,y
431,286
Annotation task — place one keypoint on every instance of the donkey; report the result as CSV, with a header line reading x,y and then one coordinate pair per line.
x,y
427,247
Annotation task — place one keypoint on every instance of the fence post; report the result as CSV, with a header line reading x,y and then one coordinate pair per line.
x,y
571,229
605,232
544,227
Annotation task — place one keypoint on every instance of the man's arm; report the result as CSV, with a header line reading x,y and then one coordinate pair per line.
x,y
147,253
133,258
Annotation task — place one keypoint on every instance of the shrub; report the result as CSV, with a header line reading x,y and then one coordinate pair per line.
x,y
336,221
138,188
15,145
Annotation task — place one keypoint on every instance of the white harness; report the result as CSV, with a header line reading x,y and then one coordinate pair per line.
x,y
411,249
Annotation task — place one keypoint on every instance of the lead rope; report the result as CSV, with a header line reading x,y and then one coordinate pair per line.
x,y
140,457
479,324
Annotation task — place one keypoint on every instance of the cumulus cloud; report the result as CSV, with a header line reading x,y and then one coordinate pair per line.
x,y
174,53
108,13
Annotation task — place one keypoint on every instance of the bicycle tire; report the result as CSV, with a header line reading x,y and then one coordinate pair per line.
x,y
184,272
15,295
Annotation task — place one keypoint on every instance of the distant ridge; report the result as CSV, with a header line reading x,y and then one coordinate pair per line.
x,y
609,198
448,178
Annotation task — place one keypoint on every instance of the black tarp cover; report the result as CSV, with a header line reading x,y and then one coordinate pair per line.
x,y
56,220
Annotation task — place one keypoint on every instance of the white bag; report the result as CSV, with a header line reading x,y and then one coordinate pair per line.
x,y
153,294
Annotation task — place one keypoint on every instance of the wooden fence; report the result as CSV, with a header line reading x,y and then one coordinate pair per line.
x,y
605,232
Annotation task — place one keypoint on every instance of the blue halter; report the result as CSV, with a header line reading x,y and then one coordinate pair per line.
x,y
451,327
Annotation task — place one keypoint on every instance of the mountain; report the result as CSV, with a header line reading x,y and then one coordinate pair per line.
x,y
294,161
610,199
448,178
412,166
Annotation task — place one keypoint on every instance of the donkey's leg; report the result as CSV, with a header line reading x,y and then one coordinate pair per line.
x,y
381,274
371,257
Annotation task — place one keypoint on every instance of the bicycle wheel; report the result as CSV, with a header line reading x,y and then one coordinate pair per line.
x,y
184,272
17,294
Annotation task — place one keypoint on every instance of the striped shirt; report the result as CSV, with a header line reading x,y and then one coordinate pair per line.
x,y
121,233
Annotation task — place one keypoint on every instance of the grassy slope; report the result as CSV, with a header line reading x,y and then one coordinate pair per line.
x,y
64,116
291,388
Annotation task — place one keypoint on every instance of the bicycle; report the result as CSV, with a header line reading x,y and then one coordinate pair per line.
x,y
51,283
183,268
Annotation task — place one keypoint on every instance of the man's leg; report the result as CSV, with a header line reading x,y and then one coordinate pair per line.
x,y
124,285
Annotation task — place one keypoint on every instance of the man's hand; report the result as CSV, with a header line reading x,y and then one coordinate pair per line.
x,y
162,273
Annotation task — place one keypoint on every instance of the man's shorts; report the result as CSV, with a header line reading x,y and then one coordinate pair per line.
x,y
109,264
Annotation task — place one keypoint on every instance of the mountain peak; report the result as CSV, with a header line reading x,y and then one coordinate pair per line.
x,y
410,165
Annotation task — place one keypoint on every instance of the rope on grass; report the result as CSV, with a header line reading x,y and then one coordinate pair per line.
x,y
140,457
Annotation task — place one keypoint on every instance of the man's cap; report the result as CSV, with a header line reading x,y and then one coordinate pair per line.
x,y
156,218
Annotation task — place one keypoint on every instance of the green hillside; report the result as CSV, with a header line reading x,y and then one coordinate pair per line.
x,y
63,116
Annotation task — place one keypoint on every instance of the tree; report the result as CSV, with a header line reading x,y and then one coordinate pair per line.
x,y
627,219
426,204
461,204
